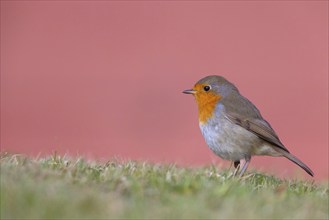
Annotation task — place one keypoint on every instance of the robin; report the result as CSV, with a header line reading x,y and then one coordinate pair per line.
x,y
233,127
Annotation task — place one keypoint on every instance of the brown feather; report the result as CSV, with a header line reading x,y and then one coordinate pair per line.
x,y
259,127
296,161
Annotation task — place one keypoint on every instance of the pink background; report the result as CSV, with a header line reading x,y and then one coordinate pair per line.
x,y
103,79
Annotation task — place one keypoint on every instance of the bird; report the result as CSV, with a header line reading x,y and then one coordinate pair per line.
x,y
233,127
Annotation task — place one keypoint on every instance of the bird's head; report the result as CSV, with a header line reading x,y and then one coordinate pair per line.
x,y
208,92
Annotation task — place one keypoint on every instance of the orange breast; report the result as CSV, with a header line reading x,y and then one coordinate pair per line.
x,y
207,102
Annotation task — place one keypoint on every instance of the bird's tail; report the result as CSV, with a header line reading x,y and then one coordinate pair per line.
x,y
296,161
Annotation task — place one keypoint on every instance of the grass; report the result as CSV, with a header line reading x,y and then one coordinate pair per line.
x,y
59,187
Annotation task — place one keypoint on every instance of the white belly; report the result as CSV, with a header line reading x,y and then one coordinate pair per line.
x,y
230,141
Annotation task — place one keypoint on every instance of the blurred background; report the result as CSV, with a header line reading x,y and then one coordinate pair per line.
x,y
104,79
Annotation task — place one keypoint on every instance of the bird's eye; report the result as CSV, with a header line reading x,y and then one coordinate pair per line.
x,y
206,88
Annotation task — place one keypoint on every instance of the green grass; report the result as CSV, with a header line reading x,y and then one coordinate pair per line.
x,y
59,187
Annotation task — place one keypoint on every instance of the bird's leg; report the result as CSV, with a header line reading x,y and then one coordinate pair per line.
x,y
236,163
245,166
237,167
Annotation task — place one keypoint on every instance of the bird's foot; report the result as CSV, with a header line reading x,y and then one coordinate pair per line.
x,y
237,168
247,176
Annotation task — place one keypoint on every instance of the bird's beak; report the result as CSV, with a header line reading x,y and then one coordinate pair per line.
x,y
189,91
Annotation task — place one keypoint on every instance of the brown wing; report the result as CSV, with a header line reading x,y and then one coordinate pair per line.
x,y
259,127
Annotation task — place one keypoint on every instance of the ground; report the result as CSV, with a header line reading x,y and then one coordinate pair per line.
x,y
61,187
